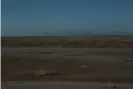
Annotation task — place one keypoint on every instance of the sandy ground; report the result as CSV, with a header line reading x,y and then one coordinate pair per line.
x,y
71,63
75,53
63,85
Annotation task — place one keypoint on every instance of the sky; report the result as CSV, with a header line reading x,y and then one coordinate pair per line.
x,y
66,17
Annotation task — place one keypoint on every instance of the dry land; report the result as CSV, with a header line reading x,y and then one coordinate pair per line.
x,y
83,64
94,58
63,85
108,41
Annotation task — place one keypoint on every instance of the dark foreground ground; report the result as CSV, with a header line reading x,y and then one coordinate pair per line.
x,y
63,85
41,60
72,64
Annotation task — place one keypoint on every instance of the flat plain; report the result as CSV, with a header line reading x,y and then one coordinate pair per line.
x,y
97,59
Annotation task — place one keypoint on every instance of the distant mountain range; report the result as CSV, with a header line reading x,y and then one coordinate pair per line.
x,y
73,33
98,33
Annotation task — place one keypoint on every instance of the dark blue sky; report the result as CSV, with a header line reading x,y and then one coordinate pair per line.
x,y
62,17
